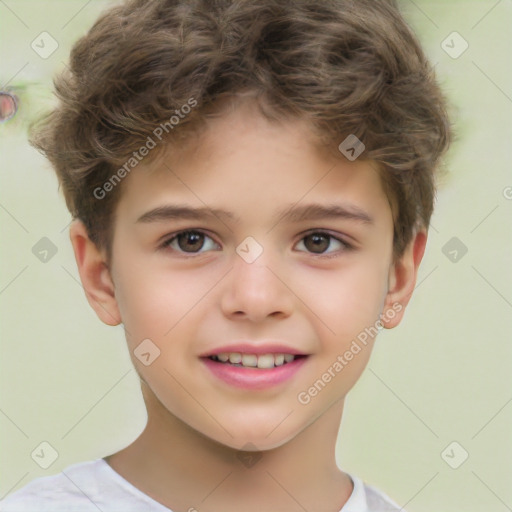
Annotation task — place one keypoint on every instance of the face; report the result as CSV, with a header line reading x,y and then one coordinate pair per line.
x,y
270,278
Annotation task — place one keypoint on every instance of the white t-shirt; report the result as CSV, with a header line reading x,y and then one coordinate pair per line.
x,y
94,486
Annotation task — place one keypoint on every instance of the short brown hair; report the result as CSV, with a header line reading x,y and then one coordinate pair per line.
x,y
346,66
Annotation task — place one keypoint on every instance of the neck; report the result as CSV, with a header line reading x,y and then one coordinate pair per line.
x,y
185,470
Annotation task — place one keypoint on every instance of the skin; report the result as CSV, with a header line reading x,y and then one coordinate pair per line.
x,y
188,303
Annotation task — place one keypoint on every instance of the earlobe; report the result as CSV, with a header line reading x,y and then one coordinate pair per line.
x,y
94,274
402,280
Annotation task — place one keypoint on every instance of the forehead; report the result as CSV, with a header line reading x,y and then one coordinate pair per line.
x,y
249,163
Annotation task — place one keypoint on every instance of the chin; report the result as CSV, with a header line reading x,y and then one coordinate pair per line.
x,y
254,437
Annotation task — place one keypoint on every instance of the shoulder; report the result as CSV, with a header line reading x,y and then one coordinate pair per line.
x,y
83,487
52,493
366,498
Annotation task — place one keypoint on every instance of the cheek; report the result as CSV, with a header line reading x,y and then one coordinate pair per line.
x,y
350,300
349,309
154,299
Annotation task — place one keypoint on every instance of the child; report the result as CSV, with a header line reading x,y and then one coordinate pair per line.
x,y
293,144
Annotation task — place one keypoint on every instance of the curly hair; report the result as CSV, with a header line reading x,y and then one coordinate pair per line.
x,y
347,67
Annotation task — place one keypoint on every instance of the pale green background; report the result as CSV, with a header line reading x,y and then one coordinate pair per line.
x,y
443,375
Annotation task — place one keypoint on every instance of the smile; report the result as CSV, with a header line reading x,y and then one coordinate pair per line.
x,y
263,361
254,372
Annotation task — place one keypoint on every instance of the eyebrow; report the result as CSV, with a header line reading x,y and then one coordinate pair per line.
x,y
290,213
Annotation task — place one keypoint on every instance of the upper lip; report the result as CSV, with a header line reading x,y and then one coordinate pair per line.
x,y
259,349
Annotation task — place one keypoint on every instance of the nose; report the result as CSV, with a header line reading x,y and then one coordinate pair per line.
x,y
255,291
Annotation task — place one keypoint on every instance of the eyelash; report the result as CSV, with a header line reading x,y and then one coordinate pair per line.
x,y
346,246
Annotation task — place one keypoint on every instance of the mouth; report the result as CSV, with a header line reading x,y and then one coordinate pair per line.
x,y
259,361
253,371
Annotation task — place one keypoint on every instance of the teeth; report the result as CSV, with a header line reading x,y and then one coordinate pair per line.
x,y
279,359
249,360
264,361
235,358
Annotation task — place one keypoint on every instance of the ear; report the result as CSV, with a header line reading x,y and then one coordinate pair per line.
x,y
94,274
402,280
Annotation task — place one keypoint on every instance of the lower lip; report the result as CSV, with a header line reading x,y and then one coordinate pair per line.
x,y
253,378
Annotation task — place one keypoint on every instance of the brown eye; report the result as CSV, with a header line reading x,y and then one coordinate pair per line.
x,y
319,242
188,242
